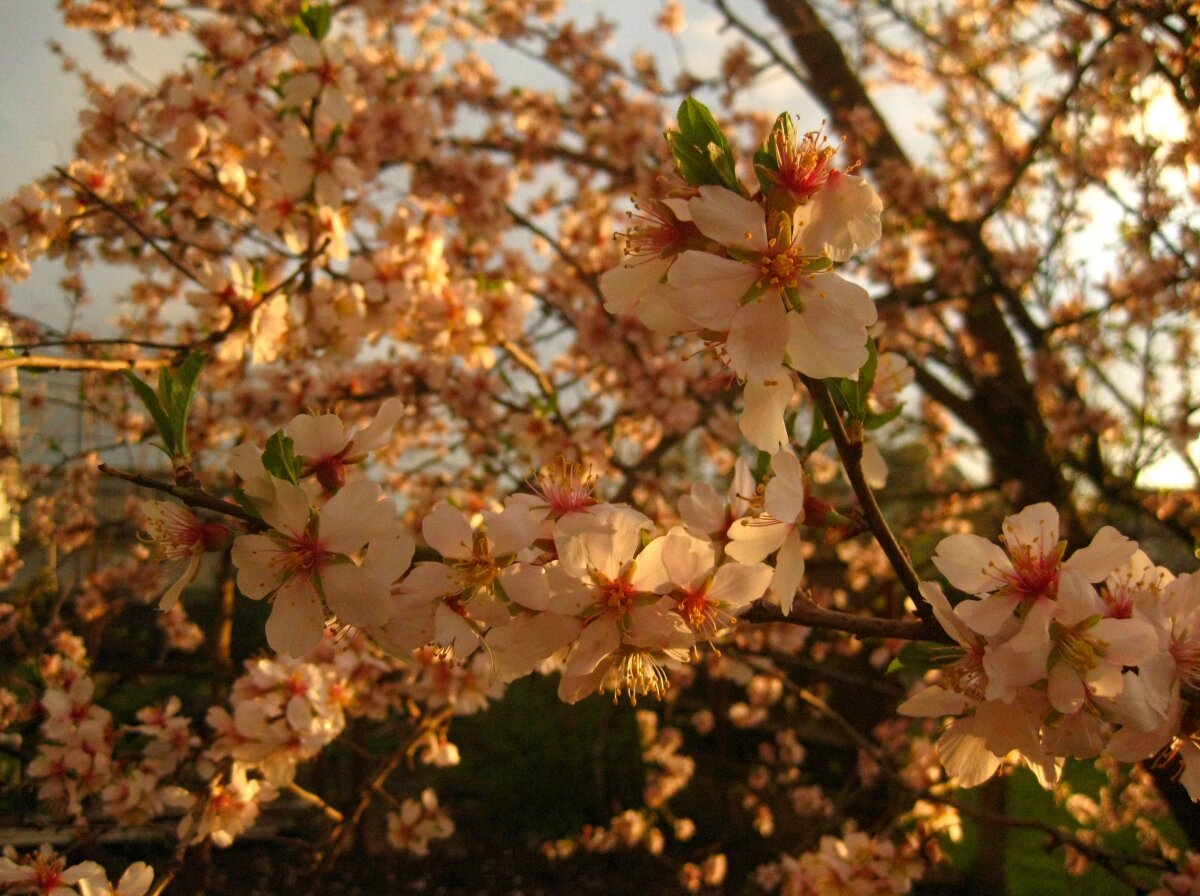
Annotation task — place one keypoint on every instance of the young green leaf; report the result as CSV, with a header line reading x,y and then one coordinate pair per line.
x,y
313,20
150,400
179,403
280,460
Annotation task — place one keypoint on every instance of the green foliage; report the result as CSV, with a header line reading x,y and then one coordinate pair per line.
x,y
766,160
315,20
279,459
702,152
172,403
921,656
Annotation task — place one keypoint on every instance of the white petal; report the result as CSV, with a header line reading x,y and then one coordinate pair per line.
x,y
289,511
1108,550
789,571
1036,526
709,289
447,531
988,615
526,585
688,560
257,558
762,421
1064,688
966,756
845,217
600,639
933,701
528,639
785,493
730,219
354,516
624,286
737,584
377,433
751,539
297,618
971,564
359,595
317,436
758,334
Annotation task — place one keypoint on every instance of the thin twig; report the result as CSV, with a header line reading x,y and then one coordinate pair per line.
x,y
851,451
193,497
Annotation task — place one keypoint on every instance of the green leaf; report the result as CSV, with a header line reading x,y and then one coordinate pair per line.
x,y
702,152
921,656
874,421
279,459
845,393
866,377
820,433
184,383
314,20
150,400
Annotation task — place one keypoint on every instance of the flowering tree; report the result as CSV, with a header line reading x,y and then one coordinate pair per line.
x,y
417,404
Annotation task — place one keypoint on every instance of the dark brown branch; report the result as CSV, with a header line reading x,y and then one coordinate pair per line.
x,y
193,497
851,451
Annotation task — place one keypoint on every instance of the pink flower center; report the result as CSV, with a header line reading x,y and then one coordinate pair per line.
x,y
613,596
656,232
306,555
1034,576
1187,660
966,676
47,876
566,488
804,166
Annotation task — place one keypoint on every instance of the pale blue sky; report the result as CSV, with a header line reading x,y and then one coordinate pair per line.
x,y
38,101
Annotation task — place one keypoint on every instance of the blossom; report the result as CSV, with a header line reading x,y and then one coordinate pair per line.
x,y
178,534
305,562
774,299
753,538
624,624
707,601
662,231
47,874
134,882
328,446
417,823
975,744
477,582
1032,579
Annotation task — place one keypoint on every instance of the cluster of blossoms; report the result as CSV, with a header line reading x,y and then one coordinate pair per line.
x,y
1047,664
855,864
1061,655
47,874
78,764
752,276
552,576
417,822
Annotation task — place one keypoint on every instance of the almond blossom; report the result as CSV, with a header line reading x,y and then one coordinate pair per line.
x,y
307,563
753,538
775,298
1032,579
624,622
328,446
176,533
985,731
47,874
706,599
